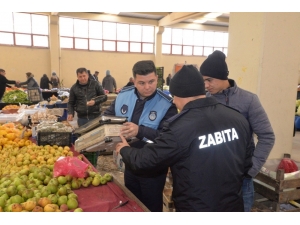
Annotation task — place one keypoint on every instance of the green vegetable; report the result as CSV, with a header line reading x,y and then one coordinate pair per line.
x,y
15,96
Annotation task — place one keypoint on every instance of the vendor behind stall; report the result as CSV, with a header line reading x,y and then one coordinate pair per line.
x,y
4,82
55,81
31,82
44,83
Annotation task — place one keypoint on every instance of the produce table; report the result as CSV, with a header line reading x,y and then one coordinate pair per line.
x,y
48,94
105,197
2,104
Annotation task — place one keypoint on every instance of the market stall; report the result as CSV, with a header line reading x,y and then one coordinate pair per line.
x,y
47,186
107,197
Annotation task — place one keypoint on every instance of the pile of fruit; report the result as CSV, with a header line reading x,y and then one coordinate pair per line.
x,y
26,175
35,189
297,107
13,135
8,89
8,107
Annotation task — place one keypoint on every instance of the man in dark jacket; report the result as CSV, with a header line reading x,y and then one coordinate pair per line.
x,y
44,83
85,98
96,74
4,82
146,108
109,82
206,146
215,74
130,82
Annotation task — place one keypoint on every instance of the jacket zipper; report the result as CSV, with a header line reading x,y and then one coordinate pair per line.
x,y
226,98
87,108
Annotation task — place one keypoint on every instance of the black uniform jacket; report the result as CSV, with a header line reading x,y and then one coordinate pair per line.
x,y
207,148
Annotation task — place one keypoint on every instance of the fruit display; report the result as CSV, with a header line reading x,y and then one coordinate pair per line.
x,y
34,189
7,107
43,103
8,89
14,135
10,109
15,96
297,107
27,183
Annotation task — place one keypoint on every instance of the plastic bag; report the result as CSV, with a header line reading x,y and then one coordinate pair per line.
x,y
288,165
70,166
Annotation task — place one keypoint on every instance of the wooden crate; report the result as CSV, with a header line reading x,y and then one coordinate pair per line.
x,y
285,191
167,200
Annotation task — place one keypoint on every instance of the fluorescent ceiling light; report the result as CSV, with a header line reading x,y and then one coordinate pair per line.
x,y
115,13
213,15
200,21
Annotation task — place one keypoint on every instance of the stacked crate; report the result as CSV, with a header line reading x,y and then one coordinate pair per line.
x,y
110,99
167,193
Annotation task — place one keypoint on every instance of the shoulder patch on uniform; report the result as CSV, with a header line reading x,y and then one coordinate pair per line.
x,y
165,96
127,88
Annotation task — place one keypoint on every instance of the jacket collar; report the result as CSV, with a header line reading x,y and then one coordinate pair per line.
x,y
146,99
200,103
80,85
231,89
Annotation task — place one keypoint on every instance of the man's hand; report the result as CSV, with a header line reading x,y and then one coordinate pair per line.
x,y
122,144
129,130
90,103
70,117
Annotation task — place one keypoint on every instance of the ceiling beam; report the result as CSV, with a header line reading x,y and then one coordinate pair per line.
x,y
153,13
177,17
218,19
54,13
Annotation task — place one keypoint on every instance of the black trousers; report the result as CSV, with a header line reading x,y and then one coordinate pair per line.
x,y
149,190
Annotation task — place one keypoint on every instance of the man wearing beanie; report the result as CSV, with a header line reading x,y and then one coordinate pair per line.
x,y
205,146
215,74
146,109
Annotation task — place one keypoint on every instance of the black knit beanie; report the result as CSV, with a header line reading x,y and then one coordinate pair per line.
x,y
187,82
215,66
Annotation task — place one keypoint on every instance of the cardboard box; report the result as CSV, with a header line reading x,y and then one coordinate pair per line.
x,y
101,134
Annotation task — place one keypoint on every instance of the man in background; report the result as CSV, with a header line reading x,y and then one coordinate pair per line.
x,y
130,82
215,74
169,79
4,82
55,80
96,75
85,98
109,82
44,82
146,108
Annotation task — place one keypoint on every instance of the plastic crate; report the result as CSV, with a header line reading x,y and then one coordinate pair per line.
x,y
297,122
92,157
54,138
50,106
61,105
